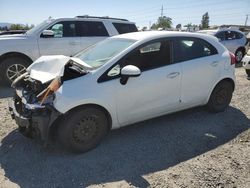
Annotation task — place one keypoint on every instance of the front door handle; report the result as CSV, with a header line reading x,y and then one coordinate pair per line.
x,y
173,75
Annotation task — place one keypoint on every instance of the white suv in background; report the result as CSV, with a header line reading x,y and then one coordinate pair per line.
x,y
64,36
233,39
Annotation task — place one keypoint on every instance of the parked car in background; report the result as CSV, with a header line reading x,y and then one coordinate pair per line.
x,y
246,63
119,81
64,36
12,32
234,40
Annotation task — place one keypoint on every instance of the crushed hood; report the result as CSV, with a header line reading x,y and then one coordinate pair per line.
x,y
47,68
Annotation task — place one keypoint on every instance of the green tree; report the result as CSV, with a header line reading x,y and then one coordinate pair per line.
x,y
162,22
205,21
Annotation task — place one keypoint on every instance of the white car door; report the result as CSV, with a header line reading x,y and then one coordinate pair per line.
x,y
201,65
155,92
64,42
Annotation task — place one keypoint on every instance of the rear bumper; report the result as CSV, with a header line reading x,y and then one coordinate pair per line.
x,y
33,123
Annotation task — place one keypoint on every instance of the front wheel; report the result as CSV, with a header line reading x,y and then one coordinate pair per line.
x,y
220,97
83,129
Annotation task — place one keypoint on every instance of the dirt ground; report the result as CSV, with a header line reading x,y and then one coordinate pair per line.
x,y
193,148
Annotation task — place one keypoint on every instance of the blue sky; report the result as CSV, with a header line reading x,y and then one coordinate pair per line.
x,y
141,12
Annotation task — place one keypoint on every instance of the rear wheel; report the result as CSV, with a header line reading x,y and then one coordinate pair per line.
x,y
248,72
83,129
220,97
239,54
11,68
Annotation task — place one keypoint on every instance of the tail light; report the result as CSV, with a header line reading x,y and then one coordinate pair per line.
x,y
233,60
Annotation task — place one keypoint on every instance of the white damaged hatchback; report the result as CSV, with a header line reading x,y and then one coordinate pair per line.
x,y
120,81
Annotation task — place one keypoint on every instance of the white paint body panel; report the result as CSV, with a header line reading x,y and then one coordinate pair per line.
x,y
155,92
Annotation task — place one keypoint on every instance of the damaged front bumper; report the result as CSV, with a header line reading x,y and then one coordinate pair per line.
x,y
33,120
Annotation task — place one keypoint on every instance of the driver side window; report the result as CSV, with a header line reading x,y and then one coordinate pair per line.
x,y
64,29
150,56
58,30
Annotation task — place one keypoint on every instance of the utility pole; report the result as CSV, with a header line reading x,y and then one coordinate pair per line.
x,y
246,19
162,11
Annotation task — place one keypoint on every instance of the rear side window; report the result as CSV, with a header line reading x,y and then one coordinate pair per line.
x,y
125,28
221,35
191,48
238,35
91,29
230,35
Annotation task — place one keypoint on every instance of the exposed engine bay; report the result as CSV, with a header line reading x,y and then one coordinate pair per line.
x,y
32,105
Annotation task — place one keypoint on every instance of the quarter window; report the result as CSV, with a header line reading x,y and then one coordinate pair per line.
x,y
191,48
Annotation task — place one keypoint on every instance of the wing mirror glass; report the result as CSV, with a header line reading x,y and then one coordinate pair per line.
x,y
47,34
129,71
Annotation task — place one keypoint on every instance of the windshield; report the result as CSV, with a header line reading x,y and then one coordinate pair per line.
x,y
38,27
100,53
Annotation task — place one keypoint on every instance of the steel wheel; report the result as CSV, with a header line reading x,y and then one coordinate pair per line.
x,y
220,97
15,71
85,130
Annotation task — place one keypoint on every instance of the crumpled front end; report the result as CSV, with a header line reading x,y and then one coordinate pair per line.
x,y
32,106
34,117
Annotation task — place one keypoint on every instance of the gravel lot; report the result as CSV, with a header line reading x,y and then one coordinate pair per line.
x,y
193,148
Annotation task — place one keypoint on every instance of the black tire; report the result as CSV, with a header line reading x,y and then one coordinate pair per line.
x,y
239,54
220,97
83,129
248,72
12,64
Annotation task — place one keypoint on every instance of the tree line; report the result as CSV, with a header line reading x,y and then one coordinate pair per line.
x,y
165,22
17,27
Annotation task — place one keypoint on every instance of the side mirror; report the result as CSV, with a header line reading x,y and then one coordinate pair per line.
x,y
129,71
47,34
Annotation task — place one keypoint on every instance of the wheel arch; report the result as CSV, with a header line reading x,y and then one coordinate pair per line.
x,y
227,79
54,126
15,54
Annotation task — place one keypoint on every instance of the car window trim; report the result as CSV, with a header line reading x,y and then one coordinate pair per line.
x,y
104,76
180,37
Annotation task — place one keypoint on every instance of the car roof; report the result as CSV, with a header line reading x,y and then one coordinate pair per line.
x,y
151,35
213,31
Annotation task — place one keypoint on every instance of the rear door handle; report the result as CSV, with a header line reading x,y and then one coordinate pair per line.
x,y
173,75
214,63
